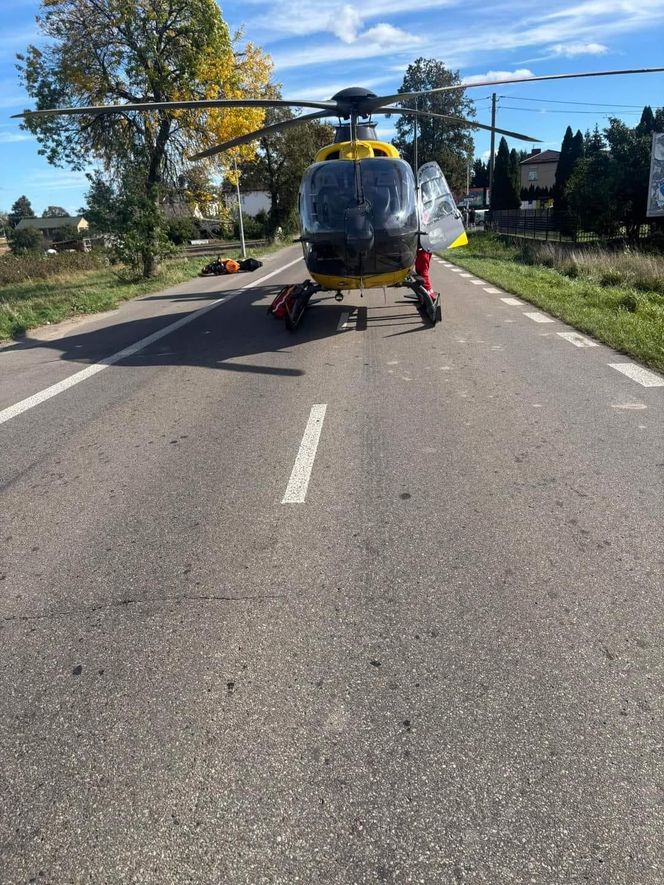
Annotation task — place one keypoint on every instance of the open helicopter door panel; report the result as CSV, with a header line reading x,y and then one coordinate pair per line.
x,y
441,224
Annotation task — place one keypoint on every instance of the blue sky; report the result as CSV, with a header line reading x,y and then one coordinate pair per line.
x,y
323,47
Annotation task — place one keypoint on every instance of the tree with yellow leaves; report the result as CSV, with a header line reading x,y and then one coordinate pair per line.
x,y
106,52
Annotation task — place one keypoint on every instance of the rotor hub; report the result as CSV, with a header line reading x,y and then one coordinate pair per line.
x,y
350,101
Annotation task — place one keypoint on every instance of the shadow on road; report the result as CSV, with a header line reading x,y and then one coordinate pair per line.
x,y
221,338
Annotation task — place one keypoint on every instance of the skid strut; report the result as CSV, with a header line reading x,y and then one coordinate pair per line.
x,y
428,302
297,303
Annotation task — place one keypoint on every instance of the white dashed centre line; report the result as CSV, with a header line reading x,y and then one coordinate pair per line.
x,y
466,275
513,302
476,282
537,317
492,291
456,270
642,376
577,340
296,491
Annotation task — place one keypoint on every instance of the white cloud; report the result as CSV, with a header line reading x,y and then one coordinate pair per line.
x,y
10,102
569,50
345,23
329,53
490,76
13,137
324,91
387,35
59,179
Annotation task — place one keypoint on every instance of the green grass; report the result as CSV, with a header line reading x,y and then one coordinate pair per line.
x,y
618,299
28,304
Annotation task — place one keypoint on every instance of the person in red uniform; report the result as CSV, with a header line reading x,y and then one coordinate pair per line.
x,y
429,300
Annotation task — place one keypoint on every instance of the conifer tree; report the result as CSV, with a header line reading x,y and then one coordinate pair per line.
x,y
505,194
647,122
22,208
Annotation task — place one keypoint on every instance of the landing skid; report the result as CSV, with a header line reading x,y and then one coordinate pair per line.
x,y
291,303
428,303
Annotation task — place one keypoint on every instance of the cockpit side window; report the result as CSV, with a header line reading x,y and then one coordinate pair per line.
x,y
436,199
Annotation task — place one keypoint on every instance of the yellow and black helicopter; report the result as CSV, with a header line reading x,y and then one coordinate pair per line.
x,y
364,214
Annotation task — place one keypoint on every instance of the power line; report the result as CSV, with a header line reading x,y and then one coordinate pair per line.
x,y
592,104
568,112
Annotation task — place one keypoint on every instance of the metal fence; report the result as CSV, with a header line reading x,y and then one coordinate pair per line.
x,y
214,247
557,227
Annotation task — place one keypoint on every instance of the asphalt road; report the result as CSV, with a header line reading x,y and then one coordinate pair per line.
x,y
443,666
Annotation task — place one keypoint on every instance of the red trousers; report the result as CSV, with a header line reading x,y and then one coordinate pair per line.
x,y
422,262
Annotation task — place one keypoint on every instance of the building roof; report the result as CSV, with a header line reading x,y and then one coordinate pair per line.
x,y
50,223
541,157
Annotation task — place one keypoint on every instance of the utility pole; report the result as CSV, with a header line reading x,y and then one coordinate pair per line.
x,y
239,207
492,157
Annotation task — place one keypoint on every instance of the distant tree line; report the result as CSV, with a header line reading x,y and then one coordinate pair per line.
x,y
608,187
535,193
601,178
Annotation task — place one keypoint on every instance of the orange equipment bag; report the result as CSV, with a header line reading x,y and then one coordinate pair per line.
x,y
231,265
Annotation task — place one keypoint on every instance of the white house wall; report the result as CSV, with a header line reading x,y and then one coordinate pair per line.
x,y
253,202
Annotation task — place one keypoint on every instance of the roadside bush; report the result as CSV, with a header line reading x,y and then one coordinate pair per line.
x,y
253,229
67,233
28,240
291,225
180,230
628,268
37,266
568,265
629,302
611,277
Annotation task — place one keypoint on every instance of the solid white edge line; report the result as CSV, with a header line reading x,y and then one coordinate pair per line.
x,y
642,376
296,491
84,374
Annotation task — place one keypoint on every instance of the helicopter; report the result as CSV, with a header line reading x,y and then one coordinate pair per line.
x,y
367,220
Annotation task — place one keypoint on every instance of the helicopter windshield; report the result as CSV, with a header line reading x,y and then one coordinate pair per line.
x,y
385,186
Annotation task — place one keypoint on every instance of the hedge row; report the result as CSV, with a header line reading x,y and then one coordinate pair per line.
x,y
24,268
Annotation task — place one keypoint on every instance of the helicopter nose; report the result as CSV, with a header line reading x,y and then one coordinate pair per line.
x,y
359,231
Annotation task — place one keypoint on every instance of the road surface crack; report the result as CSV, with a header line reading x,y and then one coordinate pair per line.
x,y
121,603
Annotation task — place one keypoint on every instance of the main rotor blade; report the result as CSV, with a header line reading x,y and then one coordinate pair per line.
x,y
181,105
374,103
473,123
259,133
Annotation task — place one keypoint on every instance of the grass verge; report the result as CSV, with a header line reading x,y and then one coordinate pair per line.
x,y
620,308
26,305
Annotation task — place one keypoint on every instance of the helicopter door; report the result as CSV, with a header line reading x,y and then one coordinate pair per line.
x,y
441,224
